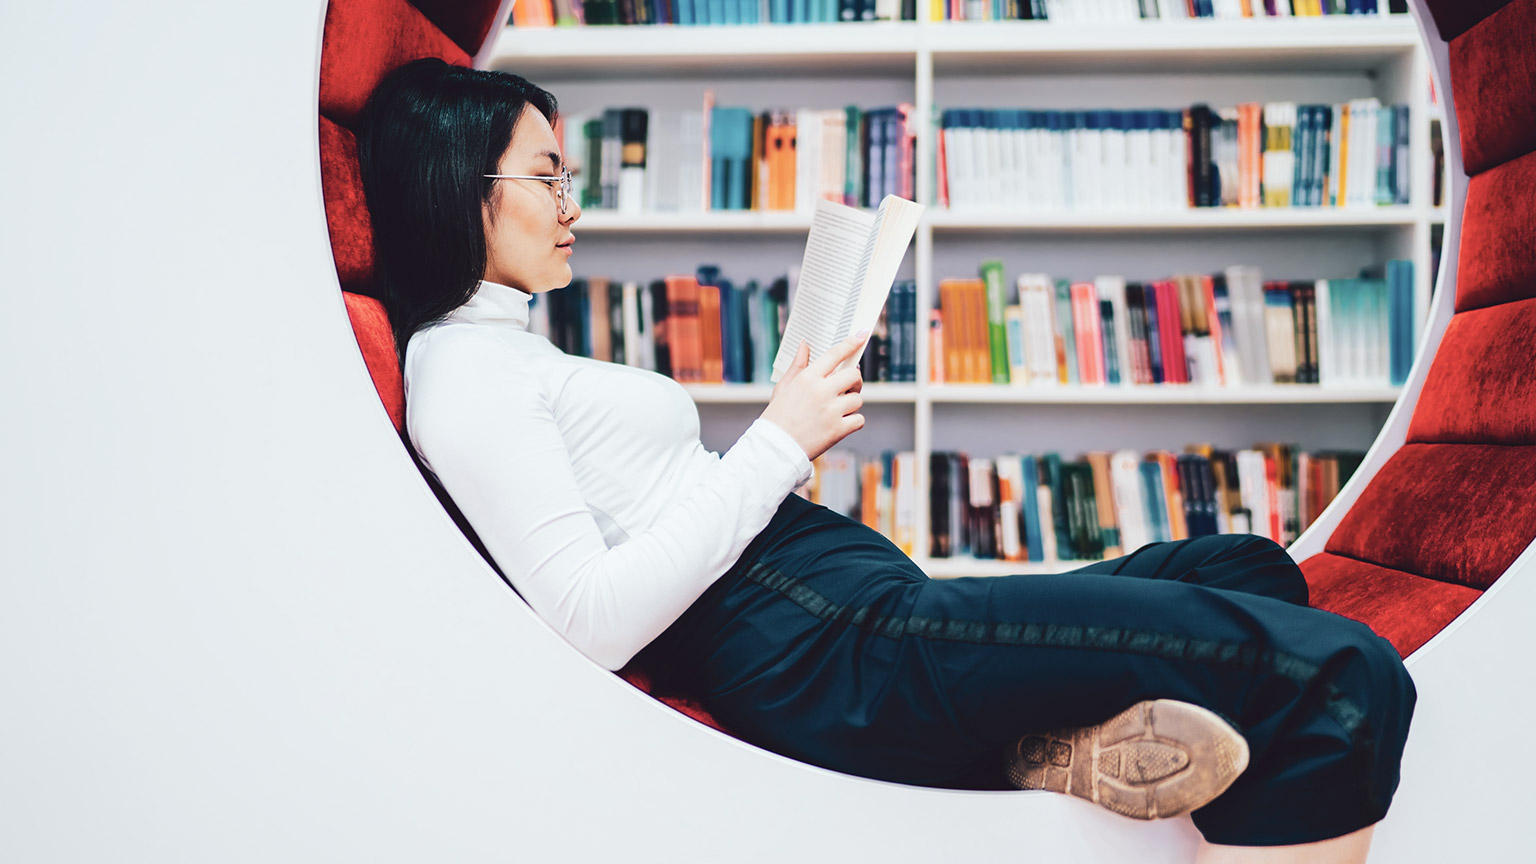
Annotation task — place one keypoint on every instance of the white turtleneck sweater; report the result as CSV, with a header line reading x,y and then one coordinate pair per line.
x,y
586,479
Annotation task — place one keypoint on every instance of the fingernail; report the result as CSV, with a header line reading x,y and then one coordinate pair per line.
x,y
860,335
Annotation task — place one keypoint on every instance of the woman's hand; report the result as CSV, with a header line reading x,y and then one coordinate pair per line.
x,y
816,405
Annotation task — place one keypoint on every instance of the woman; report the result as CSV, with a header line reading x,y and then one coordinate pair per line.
x,y
1187,676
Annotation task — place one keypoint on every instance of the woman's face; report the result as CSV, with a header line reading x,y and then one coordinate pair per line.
x,y
528,242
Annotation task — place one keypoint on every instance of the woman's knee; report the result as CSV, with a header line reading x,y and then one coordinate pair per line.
x,y
1256,565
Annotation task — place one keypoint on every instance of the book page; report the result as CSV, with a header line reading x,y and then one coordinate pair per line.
x,y
895,223
828,276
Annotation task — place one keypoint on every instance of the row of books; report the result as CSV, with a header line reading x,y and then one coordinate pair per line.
x,y
1097,11
574,13
634,160
1042,508
1277,154
1226,329
705,328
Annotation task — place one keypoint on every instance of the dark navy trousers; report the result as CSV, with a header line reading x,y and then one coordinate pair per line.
x,y
827,644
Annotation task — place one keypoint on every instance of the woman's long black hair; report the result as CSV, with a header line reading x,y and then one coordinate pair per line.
x,y
429,131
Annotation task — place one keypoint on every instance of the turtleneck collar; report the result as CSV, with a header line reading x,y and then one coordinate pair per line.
x,y
494,303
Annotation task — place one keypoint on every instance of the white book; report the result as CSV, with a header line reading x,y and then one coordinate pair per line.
x,y
1253,490
1047,529
1334,155
631,310
1327,365
840,292
807,159
1125,485
838,482
834,127
1010,480
648,337
904,503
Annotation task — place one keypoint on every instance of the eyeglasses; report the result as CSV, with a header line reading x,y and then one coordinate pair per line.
x,y
563,190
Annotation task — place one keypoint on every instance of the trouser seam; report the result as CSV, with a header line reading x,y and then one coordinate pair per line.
x,y
1128,640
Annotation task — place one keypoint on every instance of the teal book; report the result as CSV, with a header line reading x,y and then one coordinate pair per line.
x,y
853,174
1155,502
1033,540
997,332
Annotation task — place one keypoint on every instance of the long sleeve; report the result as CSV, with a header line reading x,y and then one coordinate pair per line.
x,y
485,425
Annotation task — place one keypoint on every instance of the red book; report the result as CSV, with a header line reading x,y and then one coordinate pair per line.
x,y
1170,331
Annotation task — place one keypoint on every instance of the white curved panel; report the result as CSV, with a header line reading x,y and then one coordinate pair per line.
x,y
235,625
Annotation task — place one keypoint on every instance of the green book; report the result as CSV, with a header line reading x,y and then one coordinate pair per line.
x,y
1054,478
997,330
853,172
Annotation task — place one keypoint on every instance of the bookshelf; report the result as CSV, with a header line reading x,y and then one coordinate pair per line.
x,y
1015,64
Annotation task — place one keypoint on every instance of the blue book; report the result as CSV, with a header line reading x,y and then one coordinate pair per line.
x,y
1299,156
714,12
1154,501
1154,338
685,14
1400,317
1033,541
778,11
732,11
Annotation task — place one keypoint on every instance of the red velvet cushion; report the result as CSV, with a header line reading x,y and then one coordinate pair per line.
x,y
364,40
1459,513
1493,75
466,22
1455,17
635,674
346,209
1498,236
377,341
1481,387
1402,608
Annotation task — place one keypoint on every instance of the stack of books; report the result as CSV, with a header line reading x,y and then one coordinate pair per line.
x,y
1277,154
706,329
574,13
1040,508
1227,329
1099,11
635,160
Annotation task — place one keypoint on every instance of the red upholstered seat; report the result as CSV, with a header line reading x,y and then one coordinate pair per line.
x,y
363,41
1453,508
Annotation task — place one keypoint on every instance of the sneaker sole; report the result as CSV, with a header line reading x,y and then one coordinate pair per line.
x,y
1154,760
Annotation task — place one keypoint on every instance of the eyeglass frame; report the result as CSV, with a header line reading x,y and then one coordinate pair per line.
x,y
564,177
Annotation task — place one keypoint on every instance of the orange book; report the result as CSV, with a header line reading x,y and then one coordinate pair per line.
x,y
1342,143
1213,323
757,164
788,173
683,335
949,306
869,493
1177,527
1103,494
599,322
711,359
980,342
935,347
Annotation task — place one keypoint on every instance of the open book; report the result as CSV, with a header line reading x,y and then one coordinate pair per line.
x,y
850,262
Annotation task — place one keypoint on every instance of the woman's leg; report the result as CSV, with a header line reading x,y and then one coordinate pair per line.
x,y
828,645
1232,562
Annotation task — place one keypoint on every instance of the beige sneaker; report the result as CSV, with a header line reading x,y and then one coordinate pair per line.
x,y
1153,760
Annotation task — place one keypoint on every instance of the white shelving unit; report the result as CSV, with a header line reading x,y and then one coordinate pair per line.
x,y
1015,65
